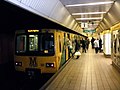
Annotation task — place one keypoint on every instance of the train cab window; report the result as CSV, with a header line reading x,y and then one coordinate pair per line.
x,y
47,44
33,42
21,44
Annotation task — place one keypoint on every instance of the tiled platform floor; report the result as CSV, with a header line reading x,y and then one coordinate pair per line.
x,y
90,72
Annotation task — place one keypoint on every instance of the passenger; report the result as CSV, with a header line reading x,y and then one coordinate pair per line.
x,y
77,46
77,54
100,44
87,43
83,45
115,44
92,42
96,45
70,48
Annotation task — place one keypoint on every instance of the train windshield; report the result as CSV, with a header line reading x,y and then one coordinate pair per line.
x,y
35,44
47,43
21,44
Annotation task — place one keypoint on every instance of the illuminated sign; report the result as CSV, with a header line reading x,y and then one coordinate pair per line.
x,y
86,31
33,30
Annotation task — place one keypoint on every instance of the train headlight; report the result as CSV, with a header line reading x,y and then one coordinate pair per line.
x,y
49,64
18,63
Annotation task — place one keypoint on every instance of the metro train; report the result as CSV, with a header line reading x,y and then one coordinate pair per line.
x,y
41,51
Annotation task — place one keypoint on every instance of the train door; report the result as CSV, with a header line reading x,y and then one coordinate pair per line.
x,y
63,50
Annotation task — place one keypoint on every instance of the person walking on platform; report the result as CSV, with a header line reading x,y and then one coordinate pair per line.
x,y
92,42
77,46
87,43
83,45
100,45
96,45
70,48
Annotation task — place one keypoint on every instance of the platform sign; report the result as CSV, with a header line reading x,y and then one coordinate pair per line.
x,y
89,31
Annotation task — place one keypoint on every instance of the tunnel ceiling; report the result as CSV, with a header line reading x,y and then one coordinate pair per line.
x,y
14,18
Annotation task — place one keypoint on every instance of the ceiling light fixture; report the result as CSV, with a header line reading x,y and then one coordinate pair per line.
x,y
95,3
89,18
88,13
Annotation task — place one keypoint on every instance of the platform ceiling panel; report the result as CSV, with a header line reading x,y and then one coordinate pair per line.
x,y
113,16
43,6
114,13
62,16
53,10
78,9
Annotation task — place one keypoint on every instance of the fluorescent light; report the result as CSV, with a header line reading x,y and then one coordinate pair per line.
x,y
95,3
89,24
95,22
89,18
88,13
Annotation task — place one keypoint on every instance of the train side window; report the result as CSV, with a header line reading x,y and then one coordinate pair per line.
x,y
33,42
21,43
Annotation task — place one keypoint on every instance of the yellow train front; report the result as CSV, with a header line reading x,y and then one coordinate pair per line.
x,y
40,51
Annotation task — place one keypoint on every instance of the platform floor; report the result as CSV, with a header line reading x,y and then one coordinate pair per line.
x,y
90,72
